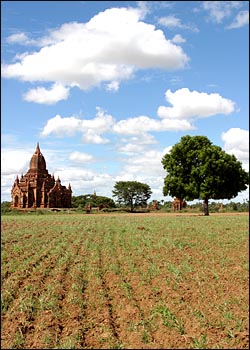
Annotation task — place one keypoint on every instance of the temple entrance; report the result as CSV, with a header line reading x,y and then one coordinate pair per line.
x,y
16,201
24,201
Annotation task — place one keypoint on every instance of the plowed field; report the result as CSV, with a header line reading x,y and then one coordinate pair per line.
x,y
132,281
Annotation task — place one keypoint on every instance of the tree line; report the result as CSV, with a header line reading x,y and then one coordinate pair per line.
x,y
195,169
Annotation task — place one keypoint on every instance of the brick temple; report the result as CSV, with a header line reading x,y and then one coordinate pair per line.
x,y
38,189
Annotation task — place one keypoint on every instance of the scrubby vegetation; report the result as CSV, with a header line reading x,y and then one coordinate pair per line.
x,y
79,204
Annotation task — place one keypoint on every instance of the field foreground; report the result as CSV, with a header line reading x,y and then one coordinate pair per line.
x,y
125,281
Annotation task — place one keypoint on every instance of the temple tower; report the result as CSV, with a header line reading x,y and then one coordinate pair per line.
x,y
38,189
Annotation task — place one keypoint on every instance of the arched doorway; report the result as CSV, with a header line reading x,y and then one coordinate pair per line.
x,y
24,201
16,201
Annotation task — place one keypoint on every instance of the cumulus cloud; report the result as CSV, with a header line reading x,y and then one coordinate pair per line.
x,y
47,96
91,129
102,122
134,126
148,164
61,127
143,124
91,181
241,19
14,161
109,48
236,141
136,144
186,106
91,136
80,157
131,148
190,104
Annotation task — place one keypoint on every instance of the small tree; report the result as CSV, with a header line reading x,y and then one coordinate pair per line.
x,y
83,200
131,193
197,169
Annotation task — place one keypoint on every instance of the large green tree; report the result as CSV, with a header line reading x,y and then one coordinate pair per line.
x,y
197,169
131,193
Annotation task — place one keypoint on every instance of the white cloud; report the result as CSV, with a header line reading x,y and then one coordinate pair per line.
x,y
101,123
137,144
113,86
19,38
91,181
80,157
109,48
135,126
143,124
219,10
90,136
91,129
241,19
131,148
146,168
141,148
186,105
189,104
236,141
14,161
143,139
143,8
61,127
178,39
166,150
172,22
20,56
147,165
43,96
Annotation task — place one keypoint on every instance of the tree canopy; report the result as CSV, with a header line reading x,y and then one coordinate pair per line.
x,y
131,193
197,169
93,200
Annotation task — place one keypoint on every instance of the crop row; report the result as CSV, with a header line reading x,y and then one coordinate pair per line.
x,y
124,281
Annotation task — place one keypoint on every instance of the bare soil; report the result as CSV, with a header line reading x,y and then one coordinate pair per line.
x,y
94,289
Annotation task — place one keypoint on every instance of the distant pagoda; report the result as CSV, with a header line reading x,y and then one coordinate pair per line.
x,y
38,189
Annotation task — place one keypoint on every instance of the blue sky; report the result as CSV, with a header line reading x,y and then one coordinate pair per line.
x,y
108,87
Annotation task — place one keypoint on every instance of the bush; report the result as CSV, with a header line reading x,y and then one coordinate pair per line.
x,y
5,207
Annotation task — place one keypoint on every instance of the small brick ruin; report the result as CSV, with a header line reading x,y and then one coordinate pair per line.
x,y
178,204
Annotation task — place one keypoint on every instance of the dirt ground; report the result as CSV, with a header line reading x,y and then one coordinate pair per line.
x,y
101,291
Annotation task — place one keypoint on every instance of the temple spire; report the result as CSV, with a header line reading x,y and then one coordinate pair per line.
x,y
37,149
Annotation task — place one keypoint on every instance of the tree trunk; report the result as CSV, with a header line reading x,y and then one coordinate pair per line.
x,y
131,206
205,207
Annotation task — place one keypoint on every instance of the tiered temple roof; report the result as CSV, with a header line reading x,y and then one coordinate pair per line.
x,y
38,189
